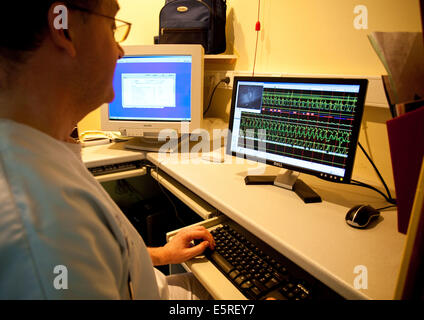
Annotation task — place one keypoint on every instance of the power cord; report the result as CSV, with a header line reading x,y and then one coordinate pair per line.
x,y
384,208
177,216
227,81
388,197
362,184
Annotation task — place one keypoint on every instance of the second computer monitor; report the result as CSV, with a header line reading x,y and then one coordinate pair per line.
x,y
156,87
308,125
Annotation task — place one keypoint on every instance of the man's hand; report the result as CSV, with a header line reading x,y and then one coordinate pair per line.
x,y
180,248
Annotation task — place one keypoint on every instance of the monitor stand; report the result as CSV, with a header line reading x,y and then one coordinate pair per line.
x,y
288,179
152,143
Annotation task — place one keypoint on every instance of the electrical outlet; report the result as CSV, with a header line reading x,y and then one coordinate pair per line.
x,y
229,74
213,77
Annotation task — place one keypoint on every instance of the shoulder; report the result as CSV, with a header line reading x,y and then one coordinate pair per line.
x,y
53,215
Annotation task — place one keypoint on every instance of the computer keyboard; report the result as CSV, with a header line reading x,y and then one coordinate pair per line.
x,y
259,271
114,168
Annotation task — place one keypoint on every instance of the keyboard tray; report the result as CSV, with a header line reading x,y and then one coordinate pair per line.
x,y
269,273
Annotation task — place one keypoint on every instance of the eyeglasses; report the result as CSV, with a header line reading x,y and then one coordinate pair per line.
x,y
121,28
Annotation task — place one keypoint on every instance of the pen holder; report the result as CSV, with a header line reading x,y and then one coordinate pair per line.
x,y
406,140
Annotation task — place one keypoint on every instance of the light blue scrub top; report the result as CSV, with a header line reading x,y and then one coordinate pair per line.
x,y
54,213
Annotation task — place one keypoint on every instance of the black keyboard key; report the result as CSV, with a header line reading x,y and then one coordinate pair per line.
x,y
259,285
255,291
240,268
248,275
285,290
283,270
263,280
222,263
246,285
280,277
271,283
235,273
303,296
239,280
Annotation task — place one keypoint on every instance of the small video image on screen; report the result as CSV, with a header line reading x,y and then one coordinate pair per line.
x,y
250,97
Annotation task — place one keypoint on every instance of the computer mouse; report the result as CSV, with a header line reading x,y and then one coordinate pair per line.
x,y
361,216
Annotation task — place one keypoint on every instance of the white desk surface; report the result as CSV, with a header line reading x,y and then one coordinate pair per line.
x,y
106,154
315,236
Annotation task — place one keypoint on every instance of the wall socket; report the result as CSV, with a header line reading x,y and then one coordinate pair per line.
x,y
213,77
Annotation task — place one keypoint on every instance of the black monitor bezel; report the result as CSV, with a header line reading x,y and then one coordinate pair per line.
x,y
363,83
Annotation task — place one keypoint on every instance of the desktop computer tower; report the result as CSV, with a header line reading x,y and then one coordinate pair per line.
x,y
156,216
152,218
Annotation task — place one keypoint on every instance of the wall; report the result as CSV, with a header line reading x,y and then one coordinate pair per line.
x,y
298,36
317,36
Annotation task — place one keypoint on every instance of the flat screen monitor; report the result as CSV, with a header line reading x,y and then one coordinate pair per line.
x,y
156,87
308,125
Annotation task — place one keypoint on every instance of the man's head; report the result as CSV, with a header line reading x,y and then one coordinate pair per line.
x,y
24,25
82,57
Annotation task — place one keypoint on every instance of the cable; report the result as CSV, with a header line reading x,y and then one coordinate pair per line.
x,y
172,203
227,81
361,184
376,170
257,29
388,197
177,216
384,208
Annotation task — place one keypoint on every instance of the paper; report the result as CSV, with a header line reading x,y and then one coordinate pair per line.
x,y
402,54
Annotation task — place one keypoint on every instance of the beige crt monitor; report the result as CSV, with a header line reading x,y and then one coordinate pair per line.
x,y
157,87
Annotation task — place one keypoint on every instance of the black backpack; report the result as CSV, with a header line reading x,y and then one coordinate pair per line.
x,y
194,22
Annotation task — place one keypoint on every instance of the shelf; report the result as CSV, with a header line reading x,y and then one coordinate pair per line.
x,y
221,58
121,175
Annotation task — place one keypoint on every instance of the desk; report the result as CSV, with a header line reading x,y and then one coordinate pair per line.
x,y
314,236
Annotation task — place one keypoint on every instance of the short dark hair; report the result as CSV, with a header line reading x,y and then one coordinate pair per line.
x,y
23,26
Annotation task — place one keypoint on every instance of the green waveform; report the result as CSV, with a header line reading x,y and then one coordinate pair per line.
x,y
317,102
305,144
325,139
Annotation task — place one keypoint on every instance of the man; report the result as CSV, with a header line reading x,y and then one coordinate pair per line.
x,y
61,235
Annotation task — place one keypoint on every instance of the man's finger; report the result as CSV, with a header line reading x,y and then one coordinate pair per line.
x,y
196,250
200,234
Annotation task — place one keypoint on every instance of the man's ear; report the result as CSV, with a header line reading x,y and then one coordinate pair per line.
x,y
58,19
